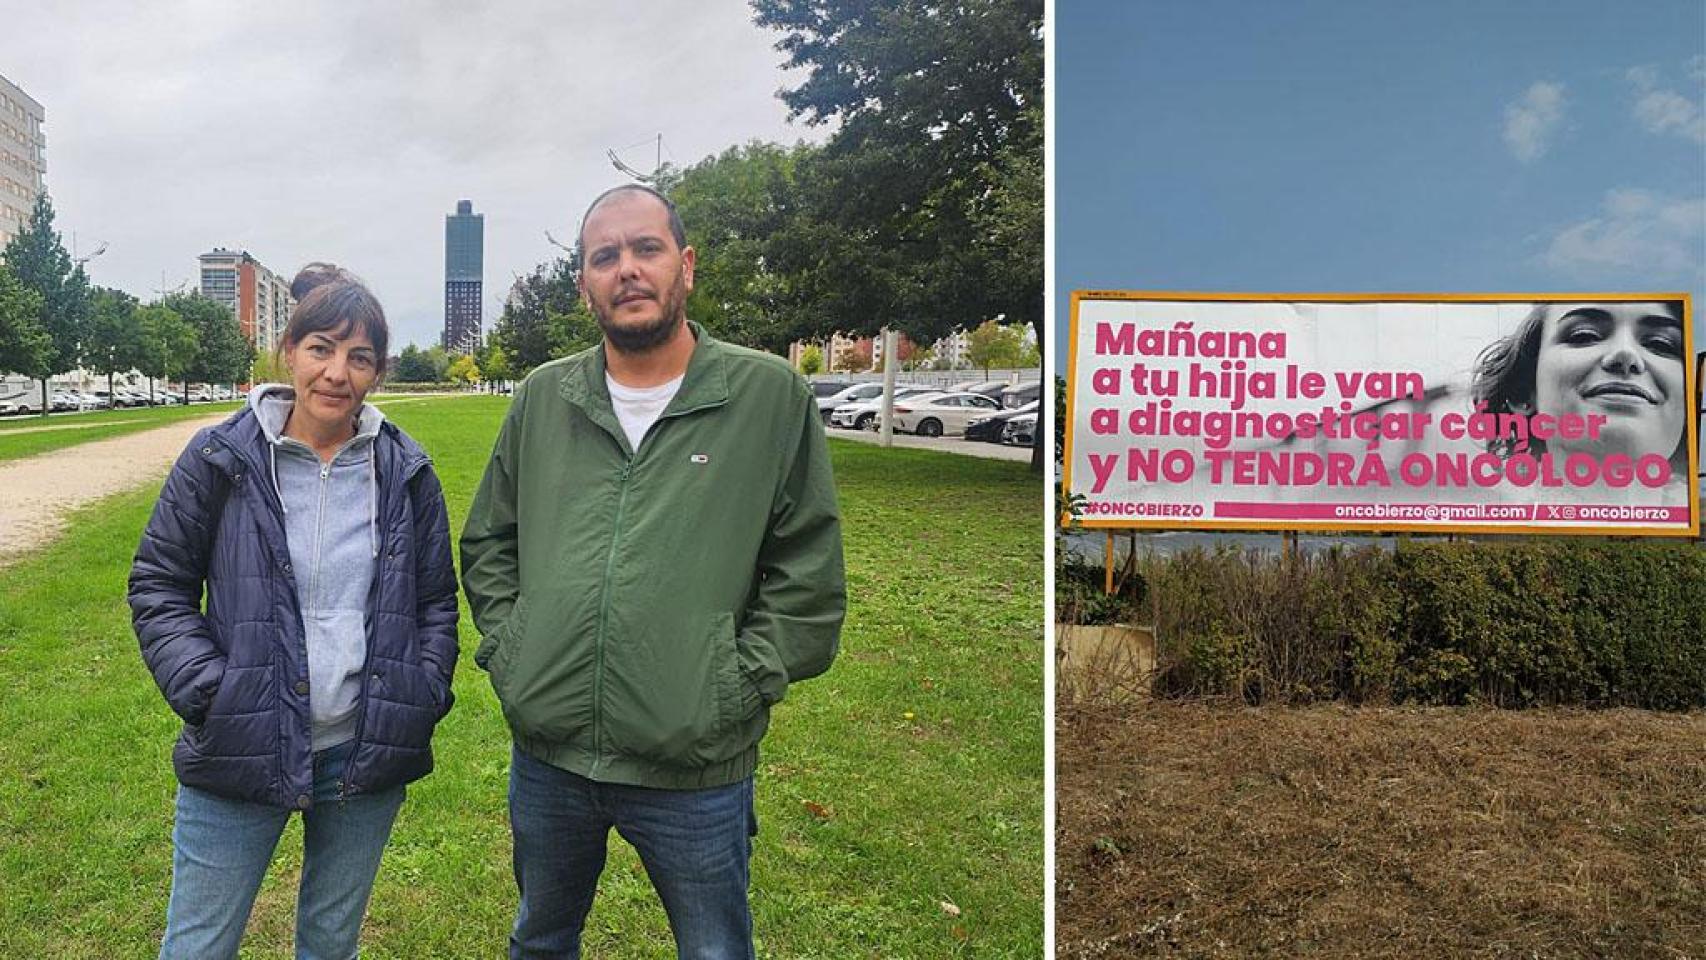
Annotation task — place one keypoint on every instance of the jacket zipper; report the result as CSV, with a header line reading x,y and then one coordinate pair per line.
x,y
345,786
604,621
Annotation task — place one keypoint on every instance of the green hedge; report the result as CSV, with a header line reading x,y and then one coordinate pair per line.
x,y
1513,624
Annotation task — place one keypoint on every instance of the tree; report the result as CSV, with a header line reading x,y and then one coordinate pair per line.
x,y
811,359
114,341
269,367
412,366
24,345
38,260
463,370
992,345
495,364
854,357
437,363
929,178
927,199
920,358
223,354
741,209
169,345
536,319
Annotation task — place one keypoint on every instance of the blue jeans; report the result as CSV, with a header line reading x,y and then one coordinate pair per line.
x,y
222,848
695,844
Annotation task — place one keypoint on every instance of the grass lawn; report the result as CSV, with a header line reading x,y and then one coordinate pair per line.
x,y
28,436
907,777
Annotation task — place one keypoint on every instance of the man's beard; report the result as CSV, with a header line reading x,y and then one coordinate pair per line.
x,y
641,338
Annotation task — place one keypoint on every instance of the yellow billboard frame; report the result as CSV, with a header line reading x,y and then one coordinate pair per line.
x,y
1691,388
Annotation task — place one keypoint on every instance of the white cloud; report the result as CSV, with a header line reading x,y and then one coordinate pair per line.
x,y
1663,111
1640,236
1533,120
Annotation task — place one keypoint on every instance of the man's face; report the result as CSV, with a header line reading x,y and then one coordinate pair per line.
x,y
634,278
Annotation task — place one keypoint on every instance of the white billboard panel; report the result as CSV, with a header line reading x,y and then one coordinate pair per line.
x,y
1482,412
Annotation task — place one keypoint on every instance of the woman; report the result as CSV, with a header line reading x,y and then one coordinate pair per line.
x,y
1616,366
323,659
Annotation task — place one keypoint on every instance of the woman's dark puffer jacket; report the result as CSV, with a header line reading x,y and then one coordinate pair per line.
x,y
238,673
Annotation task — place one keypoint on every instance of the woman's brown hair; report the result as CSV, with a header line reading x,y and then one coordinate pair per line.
x,y
331,299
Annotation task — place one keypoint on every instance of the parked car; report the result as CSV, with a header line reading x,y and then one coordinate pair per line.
x,y
1020,394
828,388
989,388
1021,431
862,414
941,414
67,401
856,393
988,428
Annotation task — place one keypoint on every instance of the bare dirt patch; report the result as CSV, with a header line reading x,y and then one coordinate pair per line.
x,y
1216,830
36,493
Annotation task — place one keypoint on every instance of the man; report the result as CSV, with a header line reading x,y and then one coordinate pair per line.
x,y
653,555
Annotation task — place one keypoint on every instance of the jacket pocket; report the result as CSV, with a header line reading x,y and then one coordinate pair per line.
x,y
241,719
683,711
497,650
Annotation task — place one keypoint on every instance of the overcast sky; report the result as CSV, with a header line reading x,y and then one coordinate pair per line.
x,y
344,131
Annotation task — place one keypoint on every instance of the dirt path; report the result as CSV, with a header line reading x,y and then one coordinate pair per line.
x,y
37,492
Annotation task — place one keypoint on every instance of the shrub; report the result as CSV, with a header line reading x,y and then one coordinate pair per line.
x,y
1513,624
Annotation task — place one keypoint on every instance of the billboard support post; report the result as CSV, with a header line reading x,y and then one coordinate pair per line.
x,y
1108,565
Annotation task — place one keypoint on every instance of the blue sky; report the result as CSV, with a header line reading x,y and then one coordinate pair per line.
x,y
1445,146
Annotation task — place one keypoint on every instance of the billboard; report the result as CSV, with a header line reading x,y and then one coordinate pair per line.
x,y
1505,413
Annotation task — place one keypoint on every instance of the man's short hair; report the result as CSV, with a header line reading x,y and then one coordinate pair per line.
x,y
676,230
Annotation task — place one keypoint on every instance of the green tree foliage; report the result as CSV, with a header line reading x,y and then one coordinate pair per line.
x,y
811,360
743,213
38,259
993,346
495,363
928,197
463,369
24,345
114,339
223,354
269,367
544,318
437,362
169,345
412,366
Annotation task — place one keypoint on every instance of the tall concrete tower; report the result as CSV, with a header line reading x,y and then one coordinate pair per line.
x,y
464,265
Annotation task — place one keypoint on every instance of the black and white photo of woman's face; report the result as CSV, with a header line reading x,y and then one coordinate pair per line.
x,y
1620,361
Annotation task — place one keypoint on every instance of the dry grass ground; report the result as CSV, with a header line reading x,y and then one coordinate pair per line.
x,y
1192,829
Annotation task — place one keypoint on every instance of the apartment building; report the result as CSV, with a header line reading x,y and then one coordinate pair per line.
x,y
259,298
23,163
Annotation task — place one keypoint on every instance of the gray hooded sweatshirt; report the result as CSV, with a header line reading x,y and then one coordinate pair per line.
x,y
330,524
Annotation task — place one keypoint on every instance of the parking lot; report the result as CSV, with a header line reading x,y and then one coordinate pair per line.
x,y
969,448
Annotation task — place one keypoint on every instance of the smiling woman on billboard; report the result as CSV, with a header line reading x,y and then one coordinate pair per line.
x,y
1616,365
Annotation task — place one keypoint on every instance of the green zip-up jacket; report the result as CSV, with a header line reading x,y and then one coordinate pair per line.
x,y
641,612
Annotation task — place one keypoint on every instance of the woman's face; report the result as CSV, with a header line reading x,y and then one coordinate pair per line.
x,y
332,373
1620,361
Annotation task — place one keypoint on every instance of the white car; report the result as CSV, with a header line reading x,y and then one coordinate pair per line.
x,y
942,414
862,414
857,393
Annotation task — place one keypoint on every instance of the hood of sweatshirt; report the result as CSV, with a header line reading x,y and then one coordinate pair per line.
x,y
331,527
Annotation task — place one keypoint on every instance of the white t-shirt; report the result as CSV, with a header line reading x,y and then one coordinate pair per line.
x,y
637,408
